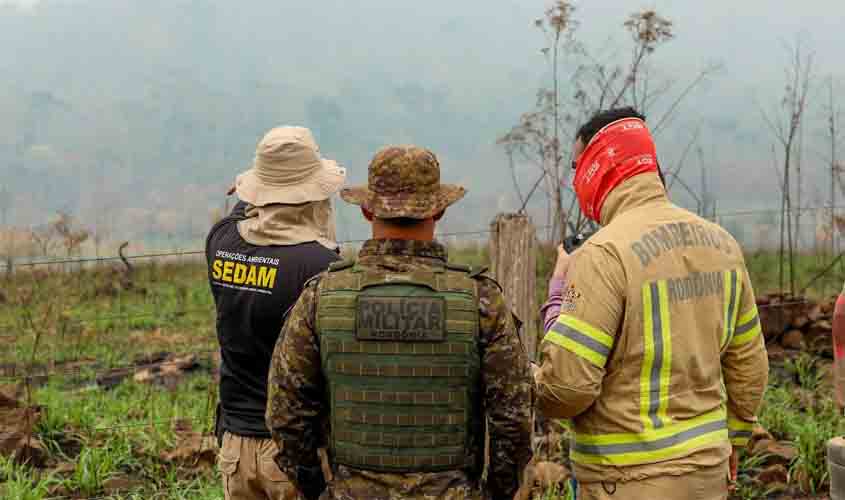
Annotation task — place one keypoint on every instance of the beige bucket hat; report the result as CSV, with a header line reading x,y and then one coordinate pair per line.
x,y
288,169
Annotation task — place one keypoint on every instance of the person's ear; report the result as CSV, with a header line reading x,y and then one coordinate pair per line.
x,y
439,215
367,214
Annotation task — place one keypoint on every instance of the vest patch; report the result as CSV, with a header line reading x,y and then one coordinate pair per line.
x,y
247,274
401,319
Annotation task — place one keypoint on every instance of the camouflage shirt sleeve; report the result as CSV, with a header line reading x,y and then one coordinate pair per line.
x,y
296,404
506,383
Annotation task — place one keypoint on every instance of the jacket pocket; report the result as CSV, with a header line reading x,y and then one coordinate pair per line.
x,y
230,456
269,468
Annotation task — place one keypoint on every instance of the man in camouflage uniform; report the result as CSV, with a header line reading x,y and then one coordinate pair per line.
x,y
396,362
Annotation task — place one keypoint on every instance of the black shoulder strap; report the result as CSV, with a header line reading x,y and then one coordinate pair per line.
x,y
478,272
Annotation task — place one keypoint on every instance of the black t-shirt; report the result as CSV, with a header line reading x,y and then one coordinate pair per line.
x,y
253,288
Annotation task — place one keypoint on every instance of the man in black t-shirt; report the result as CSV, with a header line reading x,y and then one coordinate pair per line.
x,y
279,235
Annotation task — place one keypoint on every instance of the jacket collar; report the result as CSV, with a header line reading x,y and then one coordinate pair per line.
x,y
638,191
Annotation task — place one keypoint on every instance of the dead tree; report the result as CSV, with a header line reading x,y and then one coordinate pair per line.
x,y
536,140
71,236
126,280
43,238
785,126
835,169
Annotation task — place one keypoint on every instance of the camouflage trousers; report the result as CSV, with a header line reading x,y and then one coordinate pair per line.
x,y
249,472
709,483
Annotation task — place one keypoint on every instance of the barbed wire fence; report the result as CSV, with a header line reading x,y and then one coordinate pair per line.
x,y
32,374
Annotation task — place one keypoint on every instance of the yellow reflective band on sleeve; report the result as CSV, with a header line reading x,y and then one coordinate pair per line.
x,y
747,316
581,339
748,328
656,370
587,329
674,440
739,425
739,431
739,438
733,288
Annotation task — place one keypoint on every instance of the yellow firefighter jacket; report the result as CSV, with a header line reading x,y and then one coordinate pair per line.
x,y
657,356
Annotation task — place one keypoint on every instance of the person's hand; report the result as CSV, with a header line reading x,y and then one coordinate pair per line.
x,y
734,465
562,264
535,369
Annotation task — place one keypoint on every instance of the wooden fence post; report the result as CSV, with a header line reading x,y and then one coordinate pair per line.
x,y
513,261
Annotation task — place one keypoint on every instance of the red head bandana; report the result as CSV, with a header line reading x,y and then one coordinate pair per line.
x,y
617,152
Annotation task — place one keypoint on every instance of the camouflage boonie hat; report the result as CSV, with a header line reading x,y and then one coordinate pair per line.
x,y
404,181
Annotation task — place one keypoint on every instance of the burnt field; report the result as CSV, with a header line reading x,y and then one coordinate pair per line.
x,y
108,385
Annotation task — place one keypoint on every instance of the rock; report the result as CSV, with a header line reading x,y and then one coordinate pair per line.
x,y
121,484
815,313
758,433
776,352
773,474
775,452
793,339
819,338
777,312
799,322
827,307
821,327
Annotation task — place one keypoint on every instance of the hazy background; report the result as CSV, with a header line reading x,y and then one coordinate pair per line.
x,y
134,116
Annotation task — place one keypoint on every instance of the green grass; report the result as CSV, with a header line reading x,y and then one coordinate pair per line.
x,y
21,482
765,273
86,317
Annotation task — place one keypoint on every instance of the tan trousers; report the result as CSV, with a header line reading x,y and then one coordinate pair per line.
x,y
249,472
705,484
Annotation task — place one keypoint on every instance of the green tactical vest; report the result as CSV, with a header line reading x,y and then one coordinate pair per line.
x,y
400,355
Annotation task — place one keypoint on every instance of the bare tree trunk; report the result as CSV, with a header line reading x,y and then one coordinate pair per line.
x,y
556,146
788,214
834,248
798,187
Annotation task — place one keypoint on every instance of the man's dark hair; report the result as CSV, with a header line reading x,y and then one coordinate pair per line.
x,y
603,119
402,221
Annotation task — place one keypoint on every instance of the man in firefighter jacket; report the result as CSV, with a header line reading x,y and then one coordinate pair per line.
x,y
656,354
